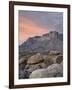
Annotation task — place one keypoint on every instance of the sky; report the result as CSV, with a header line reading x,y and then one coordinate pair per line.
x,y
37,23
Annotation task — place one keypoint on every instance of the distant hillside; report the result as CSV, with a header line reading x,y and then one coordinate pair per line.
x,y
49,41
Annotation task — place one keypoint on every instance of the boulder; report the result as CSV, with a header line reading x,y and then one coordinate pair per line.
x,y
59,59
55,70
39,73
21,66
48,61
31,68
23,74
22,60
37,58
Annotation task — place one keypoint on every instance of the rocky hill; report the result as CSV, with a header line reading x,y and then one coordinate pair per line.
x,y
41,56
46,42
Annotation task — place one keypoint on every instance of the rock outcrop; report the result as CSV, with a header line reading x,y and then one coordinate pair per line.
x,y
59,59
54,70
35,59
39,73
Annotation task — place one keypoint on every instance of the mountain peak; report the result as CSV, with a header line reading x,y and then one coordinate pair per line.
x,y
52,34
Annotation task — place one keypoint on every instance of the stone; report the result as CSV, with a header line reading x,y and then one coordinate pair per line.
x,y
55,70
21,66
59,59
31,68
48,61
39,73
22,60
37,58
23,74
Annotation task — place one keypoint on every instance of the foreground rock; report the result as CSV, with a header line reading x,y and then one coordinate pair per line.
x,y
35,59
44,64
31,68
22,60
23,74
54,70
39,73
48,61
59,59
52,59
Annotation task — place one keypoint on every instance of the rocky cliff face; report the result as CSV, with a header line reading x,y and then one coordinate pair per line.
x,y
47,42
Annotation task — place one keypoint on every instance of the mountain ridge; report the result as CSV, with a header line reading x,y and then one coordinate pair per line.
x,y
49,41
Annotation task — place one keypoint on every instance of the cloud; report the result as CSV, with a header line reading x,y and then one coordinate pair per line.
x,y
28,28
52,20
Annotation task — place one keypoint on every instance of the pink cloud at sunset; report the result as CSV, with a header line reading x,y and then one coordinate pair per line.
x,y
28,28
